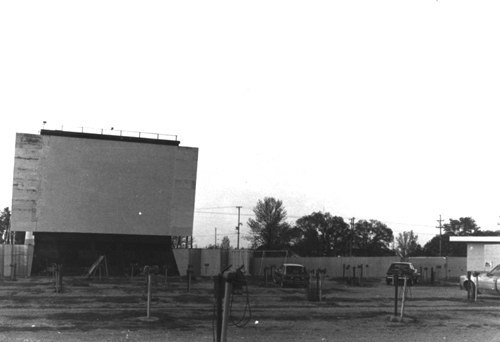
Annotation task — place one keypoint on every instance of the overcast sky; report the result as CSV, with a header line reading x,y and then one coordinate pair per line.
x,y
382,110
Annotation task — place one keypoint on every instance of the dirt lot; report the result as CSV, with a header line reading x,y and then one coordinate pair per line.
x,y
113,310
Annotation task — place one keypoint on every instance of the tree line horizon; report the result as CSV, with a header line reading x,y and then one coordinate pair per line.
x,y
323,234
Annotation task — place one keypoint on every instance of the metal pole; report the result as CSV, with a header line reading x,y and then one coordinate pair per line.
x,y
469,283
225,313
59,278
475,287
219,293
265,276
188,279
166,276
149,295
318,284
395,279
56,277
403,298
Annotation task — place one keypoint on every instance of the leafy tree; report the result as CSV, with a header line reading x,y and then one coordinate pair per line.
x,y
269,229
372,238
464,226
487,233
407,245
4,223
321,234
225,244
458,249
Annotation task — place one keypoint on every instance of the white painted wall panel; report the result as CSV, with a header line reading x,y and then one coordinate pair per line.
x,y
475,256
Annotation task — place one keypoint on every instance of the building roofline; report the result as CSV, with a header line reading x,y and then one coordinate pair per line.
x,y
83,135
477,239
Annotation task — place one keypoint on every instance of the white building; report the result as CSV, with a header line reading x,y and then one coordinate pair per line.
x,y
483,252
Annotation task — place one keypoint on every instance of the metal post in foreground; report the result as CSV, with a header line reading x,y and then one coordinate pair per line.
x,y
225,313
395,279
166,277
148,318
148,307
469,282
188,275
476,274
219,295
13,271
58,278
319,284
403,298
266,269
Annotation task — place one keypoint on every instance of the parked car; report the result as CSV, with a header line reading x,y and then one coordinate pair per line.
x,y
291,275
486,282
402,269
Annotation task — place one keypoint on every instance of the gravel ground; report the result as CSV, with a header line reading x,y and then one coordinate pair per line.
x,y
115,309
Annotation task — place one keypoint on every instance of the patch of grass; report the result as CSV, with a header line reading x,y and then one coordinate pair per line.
x,y
294,298
129,319
77,283
189,298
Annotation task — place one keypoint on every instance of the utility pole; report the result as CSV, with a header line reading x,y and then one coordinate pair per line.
x,y
215,244
440,235
352,237
238,228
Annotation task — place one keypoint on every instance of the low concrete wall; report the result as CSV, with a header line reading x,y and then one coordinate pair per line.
x,y
376,267
213,261
335,266
240,257
210,262
443,267
184,257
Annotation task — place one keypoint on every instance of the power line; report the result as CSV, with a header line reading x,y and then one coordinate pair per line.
x,y
297,217
219,213
347,219
219,233
211,208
